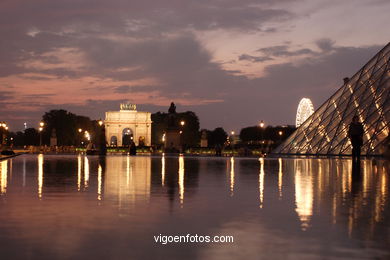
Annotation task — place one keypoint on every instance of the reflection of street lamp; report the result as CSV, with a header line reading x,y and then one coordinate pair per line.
x,y
41,125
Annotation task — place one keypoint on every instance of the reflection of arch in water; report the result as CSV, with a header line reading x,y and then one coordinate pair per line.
x,y
113,141
127,136
127,180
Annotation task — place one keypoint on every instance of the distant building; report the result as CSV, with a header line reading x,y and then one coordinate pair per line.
x,y
366,95
128,125
304,111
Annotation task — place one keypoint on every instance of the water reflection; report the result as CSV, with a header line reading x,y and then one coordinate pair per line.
x,y
231,176
324,206
303,191
163,170
261,183
127,180
181,179
86,172
280,177
40,175
79,165
3,176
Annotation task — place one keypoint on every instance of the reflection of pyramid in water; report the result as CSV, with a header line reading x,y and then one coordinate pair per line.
x,y
367,95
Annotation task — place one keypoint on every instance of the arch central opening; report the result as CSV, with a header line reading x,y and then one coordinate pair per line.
x,y
127,136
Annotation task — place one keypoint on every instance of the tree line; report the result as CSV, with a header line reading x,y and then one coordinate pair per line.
x,y
70,130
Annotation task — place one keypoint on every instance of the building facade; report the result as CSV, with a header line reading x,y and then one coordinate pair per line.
x,y
128,125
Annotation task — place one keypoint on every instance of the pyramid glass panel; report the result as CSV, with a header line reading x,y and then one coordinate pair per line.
x,y
366,95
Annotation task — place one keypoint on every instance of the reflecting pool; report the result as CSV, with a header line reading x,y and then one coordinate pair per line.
x,y
61,207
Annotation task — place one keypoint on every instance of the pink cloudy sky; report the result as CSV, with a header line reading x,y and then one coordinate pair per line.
x,y
232,62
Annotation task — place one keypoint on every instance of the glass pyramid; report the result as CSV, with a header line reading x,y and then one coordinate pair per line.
x,y
366,95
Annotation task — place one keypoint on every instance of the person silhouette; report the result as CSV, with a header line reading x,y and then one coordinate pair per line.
x,y
355,134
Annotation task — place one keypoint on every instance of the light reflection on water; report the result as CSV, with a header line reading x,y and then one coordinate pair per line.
x,y
275,208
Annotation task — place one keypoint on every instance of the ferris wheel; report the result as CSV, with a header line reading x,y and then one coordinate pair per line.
x,y
305,109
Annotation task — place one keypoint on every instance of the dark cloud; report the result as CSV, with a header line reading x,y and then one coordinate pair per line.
x,y
128,89
254,58
325,44
5,95
122,89
283,51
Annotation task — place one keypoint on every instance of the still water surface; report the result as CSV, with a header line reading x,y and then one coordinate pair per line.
x,y
86,207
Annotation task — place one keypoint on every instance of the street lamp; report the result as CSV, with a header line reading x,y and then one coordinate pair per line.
x,y
87,135
182,122
4,128
100,122
40,136
262,124
280,135
41,125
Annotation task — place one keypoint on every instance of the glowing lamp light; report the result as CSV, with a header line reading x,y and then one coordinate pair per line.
x,y
41,124
280,133
232,132
80,130
182,123
100,122
40,129
262,124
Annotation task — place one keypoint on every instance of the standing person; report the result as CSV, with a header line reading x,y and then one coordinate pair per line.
x,y
355,134
133,148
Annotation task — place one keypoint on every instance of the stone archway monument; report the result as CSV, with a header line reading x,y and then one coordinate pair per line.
x,y
128,121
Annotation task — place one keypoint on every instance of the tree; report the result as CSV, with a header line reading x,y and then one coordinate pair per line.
x,y
66,125
216,137
276,134
31,136
190,129
252,133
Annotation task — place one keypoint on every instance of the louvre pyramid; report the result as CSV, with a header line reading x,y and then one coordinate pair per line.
x,y
366,95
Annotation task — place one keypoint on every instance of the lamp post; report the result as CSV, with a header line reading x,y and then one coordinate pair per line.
x,y
280,135
102,139
4,128
262,124
41,125
232,133
182,145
